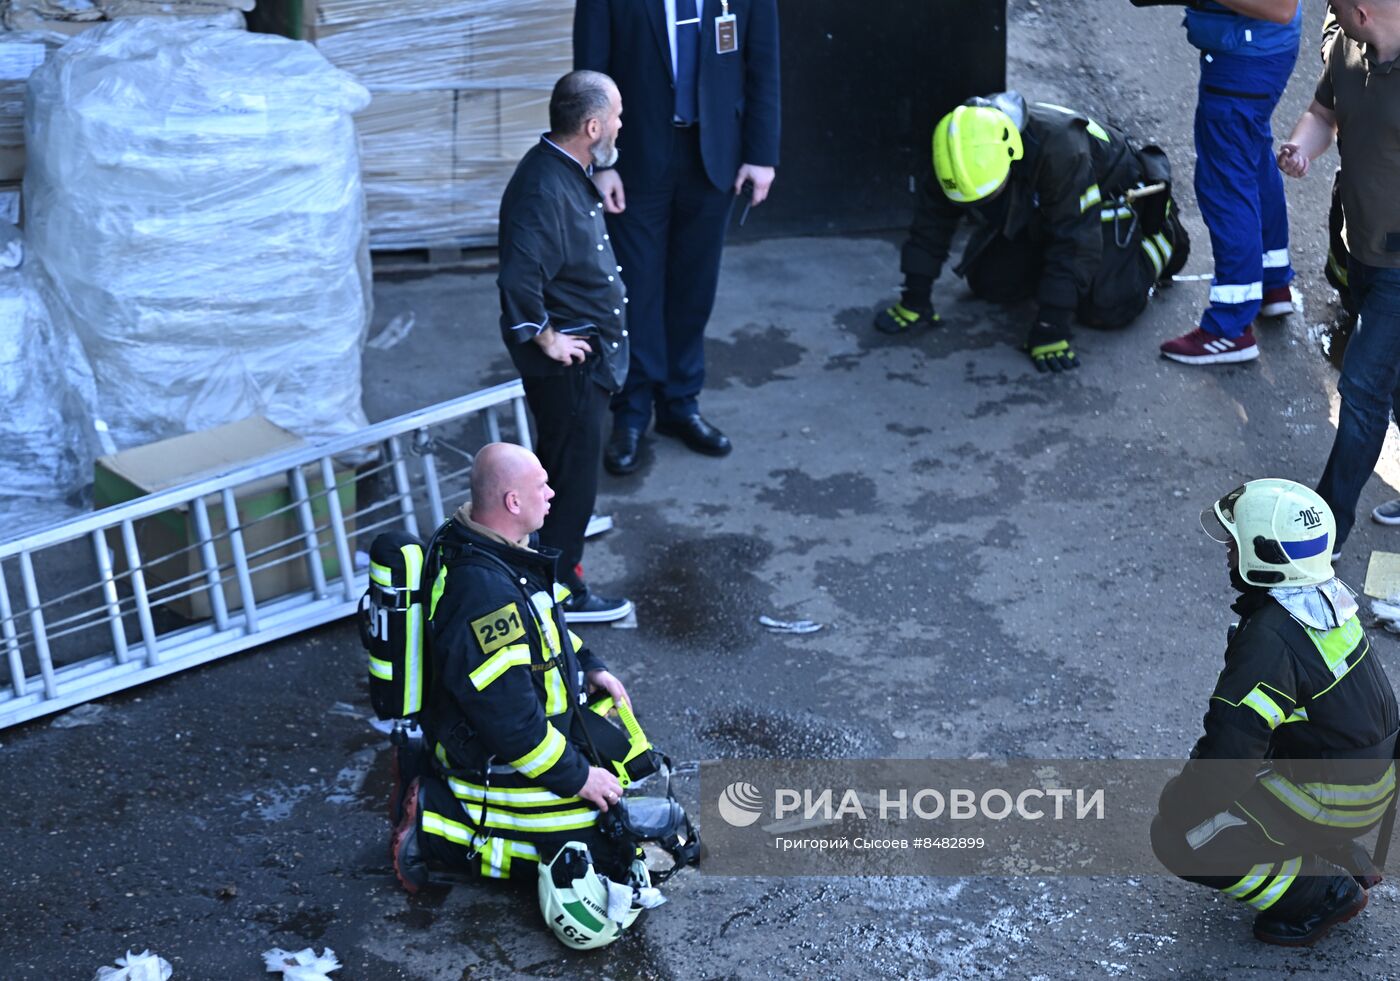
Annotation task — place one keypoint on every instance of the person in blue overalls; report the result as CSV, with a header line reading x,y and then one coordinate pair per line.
x,y
1248,48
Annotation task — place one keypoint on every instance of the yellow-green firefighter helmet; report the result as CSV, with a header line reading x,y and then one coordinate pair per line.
x,y
973,149
1284,533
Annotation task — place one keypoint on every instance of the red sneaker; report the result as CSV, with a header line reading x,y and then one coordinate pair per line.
x,y
1277,302
1198,347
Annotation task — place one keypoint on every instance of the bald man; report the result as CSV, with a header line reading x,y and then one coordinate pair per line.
x,y
507,674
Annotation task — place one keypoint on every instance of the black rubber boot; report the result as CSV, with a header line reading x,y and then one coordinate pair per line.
x,y
1342,900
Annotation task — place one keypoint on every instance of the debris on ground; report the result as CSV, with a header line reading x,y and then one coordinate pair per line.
x,y
789,626
304,965
144,966
83,715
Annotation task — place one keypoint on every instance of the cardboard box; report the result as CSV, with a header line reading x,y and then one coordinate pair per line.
x,y
406,136
498,124
164,538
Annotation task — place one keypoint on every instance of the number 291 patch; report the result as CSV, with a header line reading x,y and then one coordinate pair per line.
x,y
496,630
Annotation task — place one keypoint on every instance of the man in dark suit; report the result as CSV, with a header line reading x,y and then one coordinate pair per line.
x,y
700,82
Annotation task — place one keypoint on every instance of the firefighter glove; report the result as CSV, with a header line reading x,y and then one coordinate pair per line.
x,y
899,319
1050,349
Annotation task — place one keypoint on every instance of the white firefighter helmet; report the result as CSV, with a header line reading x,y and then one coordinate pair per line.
x,y
574,898
1284,532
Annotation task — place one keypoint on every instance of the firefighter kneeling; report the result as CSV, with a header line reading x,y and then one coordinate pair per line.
x,y
1296,762
520,770
1064,210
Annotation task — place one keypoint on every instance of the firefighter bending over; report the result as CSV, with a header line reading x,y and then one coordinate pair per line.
x,y
1064,210
1296,760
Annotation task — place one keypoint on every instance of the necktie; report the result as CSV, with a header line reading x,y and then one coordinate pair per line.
x,y
687,61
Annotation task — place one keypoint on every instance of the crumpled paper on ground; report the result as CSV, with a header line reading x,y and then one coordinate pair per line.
x,y
144,966
304,965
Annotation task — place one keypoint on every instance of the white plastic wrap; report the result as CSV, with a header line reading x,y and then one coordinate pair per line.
x,y
71,16
461,91
194,199
45,449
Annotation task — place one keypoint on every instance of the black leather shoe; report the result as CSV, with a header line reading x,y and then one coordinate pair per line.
x,y
1342,900
697,434
624,452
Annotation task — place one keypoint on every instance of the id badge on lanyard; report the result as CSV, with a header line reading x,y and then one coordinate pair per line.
x,y
726,32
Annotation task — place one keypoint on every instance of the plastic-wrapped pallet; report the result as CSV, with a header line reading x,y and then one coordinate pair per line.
x,y
20,53
46,388
193,197
461,91
71,16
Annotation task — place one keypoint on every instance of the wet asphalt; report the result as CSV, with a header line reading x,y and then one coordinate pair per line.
x,y
1004,563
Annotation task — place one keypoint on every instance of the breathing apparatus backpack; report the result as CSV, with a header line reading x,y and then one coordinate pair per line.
x,y
393,625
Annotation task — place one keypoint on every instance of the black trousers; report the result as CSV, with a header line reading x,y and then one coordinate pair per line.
x,y
1278,869
569,410
668,242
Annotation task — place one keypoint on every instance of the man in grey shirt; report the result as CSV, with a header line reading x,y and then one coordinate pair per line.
x,y
1357,102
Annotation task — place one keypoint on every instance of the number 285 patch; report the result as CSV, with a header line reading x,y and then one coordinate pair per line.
x,y
496,630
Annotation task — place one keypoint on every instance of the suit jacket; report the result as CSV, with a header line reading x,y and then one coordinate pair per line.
x,y
739,103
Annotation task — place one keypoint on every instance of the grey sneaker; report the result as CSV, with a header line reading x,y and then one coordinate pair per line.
x,y
1387,513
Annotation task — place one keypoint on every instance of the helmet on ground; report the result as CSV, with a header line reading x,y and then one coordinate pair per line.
x,y
973,149
574,898
1284,532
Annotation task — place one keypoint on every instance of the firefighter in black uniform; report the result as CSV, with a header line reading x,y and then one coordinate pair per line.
x,y
1048,192
1297,757
510,785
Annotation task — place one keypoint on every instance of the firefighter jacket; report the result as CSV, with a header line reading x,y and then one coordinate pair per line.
x,y
1291,693
507,675
1071,169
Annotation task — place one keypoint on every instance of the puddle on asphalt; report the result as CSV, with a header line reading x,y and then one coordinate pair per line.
x,y
308,923
798,493
753,358
702,591
745,731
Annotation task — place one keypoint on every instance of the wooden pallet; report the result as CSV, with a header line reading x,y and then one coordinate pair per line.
x,y
437,258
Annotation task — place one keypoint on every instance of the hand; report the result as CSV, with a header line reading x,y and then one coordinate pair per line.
x,y
1293,161
899,319
760,177
600,789
608,682
609,185
564,348
1054,356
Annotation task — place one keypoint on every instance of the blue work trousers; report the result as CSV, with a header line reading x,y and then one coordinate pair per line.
x,y
1369,387
1238,186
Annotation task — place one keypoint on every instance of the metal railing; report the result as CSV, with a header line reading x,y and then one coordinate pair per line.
x,y
165,582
